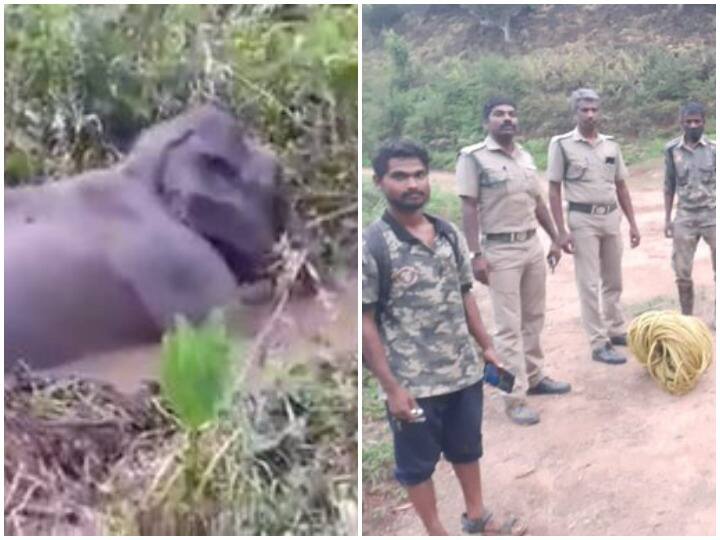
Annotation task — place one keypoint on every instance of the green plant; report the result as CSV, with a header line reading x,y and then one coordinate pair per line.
x,y
197,376
197,371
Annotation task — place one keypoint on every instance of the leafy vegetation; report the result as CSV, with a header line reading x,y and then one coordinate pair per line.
x,y
439,103
197,370
82,81
206,455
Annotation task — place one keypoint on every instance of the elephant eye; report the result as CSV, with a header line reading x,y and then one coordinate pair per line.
x,y
217,166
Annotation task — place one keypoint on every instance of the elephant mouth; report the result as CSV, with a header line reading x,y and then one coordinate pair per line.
x,y
246,267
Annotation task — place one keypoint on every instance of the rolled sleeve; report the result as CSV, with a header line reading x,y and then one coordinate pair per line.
x,y
466,176
556,162
369,278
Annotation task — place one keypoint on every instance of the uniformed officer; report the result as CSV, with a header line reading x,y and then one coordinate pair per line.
x,y
418,341
591,168
690,172
501,197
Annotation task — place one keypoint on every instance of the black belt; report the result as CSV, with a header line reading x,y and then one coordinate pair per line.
x,y
520,236
698,209
596,209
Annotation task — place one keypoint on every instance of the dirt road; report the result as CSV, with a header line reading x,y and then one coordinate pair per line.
x,y
616,456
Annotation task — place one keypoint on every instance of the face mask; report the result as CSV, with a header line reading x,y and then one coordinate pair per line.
x,y
694,134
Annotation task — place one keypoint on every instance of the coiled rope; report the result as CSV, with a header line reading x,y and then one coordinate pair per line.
x,y
676,349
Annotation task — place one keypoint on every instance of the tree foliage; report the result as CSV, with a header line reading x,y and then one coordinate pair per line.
x,y
82,81
439,104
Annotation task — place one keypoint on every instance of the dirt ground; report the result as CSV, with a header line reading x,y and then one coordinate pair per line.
x,y
616,456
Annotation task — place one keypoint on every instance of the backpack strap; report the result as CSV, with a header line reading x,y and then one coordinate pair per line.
x,y
375,242
444,228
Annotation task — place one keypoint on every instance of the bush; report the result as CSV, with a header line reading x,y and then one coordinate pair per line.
x,y
641,90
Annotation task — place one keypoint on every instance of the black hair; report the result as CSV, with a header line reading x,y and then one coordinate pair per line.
x,y
493,102
399,148
692,107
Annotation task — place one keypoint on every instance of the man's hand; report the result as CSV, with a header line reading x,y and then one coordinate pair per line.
x,y
554,255
566,242
480,269
490,356
668,229
401,403
634,236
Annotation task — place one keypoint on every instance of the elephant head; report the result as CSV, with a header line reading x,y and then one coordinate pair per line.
x,y
215,178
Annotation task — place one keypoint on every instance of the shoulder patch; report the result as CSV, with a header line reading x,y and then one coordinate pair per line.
x,y
472,148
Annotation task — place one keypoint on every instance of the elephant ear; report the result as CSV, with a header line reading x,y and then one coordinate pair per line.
x,y
148,156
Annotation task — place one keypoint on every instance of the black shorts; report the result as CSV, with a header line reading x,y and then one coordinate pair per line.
x,y
452,425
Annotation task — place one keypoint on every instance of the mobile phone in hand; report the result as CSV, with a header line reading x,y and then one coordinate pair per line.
x,y
499,377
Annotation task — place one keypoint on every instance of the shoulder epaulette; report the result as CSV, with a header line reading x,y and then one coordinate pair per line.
x,y
472,148
673,143
561,137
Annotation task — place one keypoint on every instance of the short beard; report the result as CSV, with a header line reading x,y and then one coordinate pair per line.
x,y
406,207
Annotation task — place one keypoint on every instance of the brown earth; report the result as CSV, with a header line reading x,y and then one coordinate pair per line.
x,y
442,31
616,456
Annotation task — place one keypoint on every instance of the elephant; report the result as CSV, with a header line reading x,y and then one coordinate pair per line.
x,y
107,259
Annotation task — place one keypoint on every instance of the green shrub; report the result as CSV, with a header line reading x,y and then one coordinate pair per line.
x,y
440,104
198,369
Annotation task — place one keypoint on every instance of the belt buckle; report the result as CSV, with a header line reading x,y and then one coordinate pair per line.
x,y
520,236
600,210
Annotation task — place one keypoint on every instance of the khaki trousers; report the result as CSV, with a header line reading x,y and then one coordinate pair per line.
x,y
686,235
598,273
516,278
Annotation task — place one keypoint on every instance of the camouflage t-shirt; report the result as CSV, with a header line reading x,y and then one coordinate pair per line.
x,y
423,325
691,174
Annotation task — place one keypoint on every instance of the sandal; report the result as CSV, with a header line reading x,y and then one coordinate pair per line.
x,y
511,527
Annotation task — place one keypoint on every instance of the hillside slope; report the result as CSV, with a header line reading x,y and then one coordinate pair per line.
x,y
437,32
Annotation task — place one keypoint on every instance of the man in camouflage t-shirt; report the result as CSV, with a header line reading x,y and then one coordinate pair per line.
x,y
418,344
690,172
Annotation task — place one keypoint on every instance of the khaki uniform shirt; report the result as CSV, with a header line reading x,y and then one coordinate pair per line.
x,y
507,188
423,325
691,174
588,170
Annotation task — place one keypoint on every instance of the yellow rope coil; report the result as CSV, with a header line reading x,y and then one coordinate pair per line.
x,y
675,348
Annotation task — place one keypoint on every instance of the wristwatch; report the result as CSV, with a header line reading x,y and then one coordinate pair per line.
x,y
476,254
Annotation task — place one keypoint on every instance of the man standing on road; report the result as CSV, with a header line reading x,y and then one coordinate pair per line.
x,y
690,172
418,319
500,192
591,168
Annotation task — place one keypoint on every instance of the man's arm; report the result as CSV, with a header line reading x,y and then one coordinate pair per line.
x,y
564,239
669,192
400,401
471,228
623,196
471,223
544,219
555,176
477,328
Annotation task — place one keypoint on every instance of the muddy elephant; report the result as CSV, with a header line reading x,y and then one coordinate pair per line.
x,y
106,259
